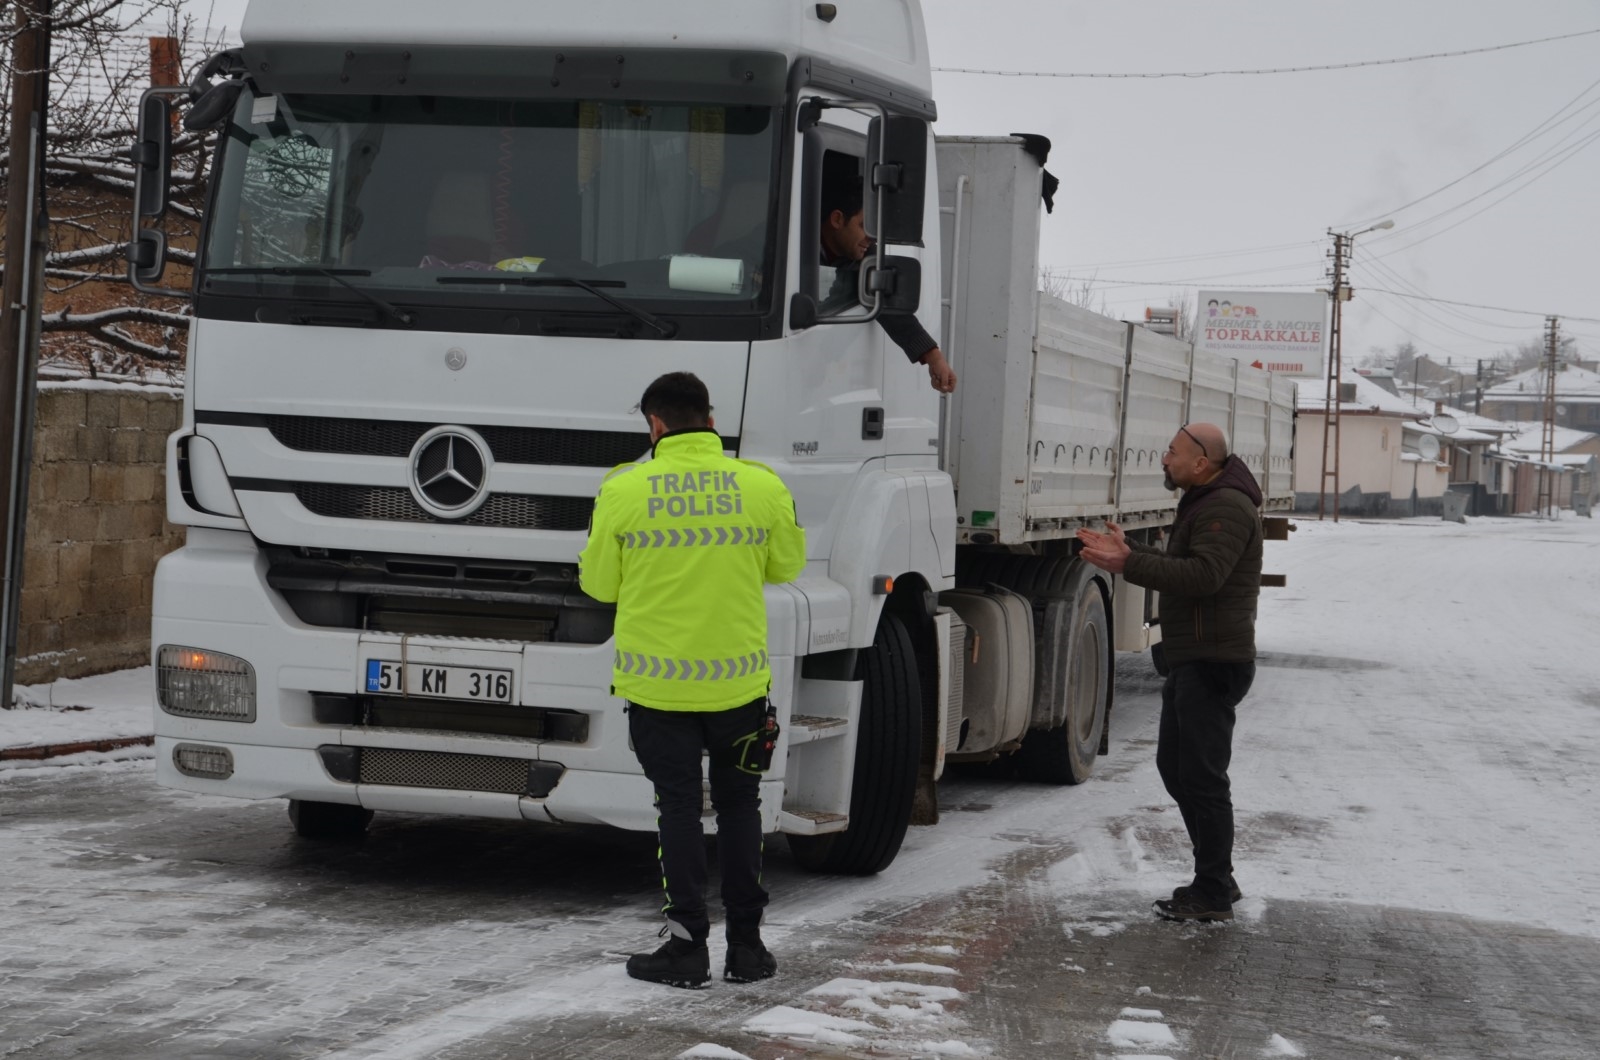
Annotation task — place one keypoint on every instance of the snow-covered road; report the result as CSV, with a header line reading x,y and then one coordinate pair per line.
x,y
1415,781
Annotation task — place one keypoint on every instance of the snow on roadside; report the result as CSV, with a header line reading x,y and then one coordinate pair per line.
x,y
108,707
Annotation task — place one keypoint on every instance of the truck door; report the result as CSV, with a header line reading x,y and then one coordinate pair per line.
x,y
825,401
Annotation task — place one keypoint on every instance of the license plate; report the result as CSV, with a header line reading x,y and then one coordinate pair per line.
x,y
384,678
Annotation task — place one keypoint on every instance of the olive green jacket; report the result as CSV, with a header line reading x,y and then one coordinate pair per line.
x,y
1209,575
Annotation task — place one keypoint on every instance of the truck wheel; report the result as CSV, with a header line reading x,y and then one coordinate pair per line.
x,y
328,820
885,763
1066,753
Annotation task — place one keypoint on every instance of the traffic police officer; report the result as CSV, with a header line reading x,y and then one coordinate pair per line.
x,y
683,545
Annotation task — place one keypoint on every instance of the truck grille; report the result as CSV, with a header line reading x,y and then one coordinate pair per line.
x,y
433,769
395,504
510,445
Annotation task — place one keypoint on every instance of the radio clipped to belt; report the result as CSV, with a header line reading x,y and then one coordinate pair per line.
x,y
754,751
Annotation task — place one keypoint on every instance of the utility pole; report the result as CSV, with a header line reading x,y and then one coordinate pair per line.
x,y
1340,293
1330,420
1547,442
25,239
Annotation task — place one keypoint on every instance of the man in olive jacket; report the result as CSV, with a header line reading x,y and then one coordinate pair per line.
x,y
1209,578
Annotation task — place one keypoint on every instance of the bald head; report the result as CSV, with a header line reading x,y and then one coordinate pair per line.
x,y
1195,456
1211,439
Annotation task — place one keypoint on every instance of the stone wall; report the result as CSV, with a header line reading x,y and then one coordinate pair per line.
x,y
96,527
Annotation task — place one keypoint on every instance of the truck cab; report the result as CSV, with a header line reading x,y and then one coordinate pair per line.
x,y
443,255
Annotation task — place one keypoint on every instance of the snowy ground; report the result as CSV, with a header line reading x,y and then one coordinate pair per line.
x,y
1415,775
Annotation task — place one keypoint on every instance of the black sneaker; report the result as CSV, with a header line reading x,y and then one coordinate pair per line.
x,y
1234,894
748,960
681,962
1190,906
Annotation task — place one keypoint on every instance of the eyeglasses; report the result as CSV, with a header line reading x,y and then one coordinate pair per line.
x,y
1204,450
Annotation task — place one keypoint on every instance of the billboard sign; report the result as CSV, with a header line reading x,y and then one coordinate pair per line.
x,y
1281,333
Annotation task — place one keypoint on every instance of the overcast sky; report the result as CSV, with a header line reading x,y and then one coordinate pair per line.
x,y
1233,182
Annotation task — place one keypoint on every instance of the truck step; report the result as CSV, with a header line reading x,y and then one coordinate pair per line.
x,y
804,728
811,822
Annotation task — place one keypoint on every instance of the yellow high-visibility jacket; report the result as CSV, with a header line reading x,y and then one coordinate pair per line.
x,y
682,545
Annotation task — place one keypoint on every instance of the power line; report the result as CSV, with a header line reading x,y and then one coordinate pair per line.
x,y
1563,147
1274,70
1396,277
1566,156
1536,131
1479,305
1187,281
1186,258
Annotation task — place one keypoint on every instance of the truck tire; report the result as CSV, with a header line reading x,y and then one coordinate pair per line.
x,y
328,820
1066,753
885,778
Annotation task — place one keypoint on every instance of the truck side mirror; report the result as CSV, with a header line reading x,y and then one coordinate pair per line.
x,y
152,159
901,178
147,258
898,285
152,187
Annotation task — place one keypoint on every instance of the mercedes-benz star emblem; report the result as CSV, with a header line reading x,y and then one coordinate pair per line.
x,y
450,472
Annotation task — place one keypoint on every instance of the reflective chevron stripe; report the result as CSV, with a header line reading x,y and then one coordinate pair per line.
x,y
694,536
629,662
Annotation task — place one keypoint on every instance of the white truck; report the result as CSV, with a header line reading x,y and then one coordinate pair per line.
x,y
444,252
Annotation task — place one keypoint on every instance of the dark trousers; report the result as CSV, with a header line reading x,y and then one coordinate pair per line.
x,y
669,745
1192,755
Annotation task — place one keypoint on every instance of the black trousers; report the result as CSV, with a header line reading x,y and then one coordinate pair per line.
x,y
669,745
1192,756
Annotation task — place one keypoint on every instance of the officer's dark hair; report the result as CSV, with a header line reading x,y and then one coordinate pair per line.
x,y
842,192
680,399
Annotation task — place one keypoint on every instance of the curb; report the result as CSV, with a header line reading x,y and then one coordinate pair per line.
x,y
54,750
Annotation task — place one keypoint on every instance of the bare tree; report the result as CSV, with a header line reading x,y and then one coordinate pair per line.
x,y
1073,291
100,65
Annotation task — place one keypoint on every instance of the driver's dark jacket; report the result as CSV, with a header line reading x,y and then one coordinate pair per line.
x,y
905,331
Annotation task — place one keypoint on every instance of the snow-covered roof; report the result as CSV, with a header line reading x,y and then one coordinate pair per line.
x,y
1311,396
1460,437
1530,438
1573,383
1469,421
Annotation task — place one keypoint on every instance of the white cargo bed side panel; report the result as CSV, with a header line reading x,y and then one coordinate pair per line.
x,y
1280,483
1158,395
991,291
1252,413
1077,409
1211,392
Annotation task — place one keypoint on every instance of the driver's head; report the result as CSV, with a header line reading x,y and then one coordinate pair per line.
x,y
844,232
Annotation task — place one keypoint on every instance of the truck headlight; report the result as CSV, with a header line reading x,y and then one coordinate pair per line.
x,y
194,683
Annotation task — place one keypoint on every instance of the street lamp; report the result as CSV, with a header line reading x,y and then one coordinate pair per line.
x,y
1342,242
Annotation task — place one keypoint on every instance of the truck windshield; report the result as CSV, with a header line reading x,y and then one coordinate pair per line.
x,y
401,194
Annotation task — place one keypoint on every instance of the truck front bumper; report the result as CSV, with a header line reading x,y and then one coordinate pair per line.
x,y
212,595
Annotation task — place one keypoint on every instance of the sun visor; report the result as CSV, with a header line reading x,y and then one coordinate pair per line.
x,y
750,78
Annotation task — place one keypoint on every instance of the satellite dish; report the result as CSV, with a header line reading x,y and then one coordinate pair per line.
x,y
1445,423
1428,447
1561,410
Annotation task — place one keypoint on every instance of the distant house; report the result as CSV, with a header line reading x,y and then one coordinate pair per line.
x,y
1521,397
1382,467
1574,468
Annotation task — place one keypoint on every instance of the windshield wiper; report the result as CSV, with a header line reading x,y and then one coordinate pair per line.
x,y
337,275
664,328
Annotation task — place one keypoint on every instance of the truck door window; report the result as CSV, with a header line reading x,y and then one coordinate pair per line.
x,y
834,152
